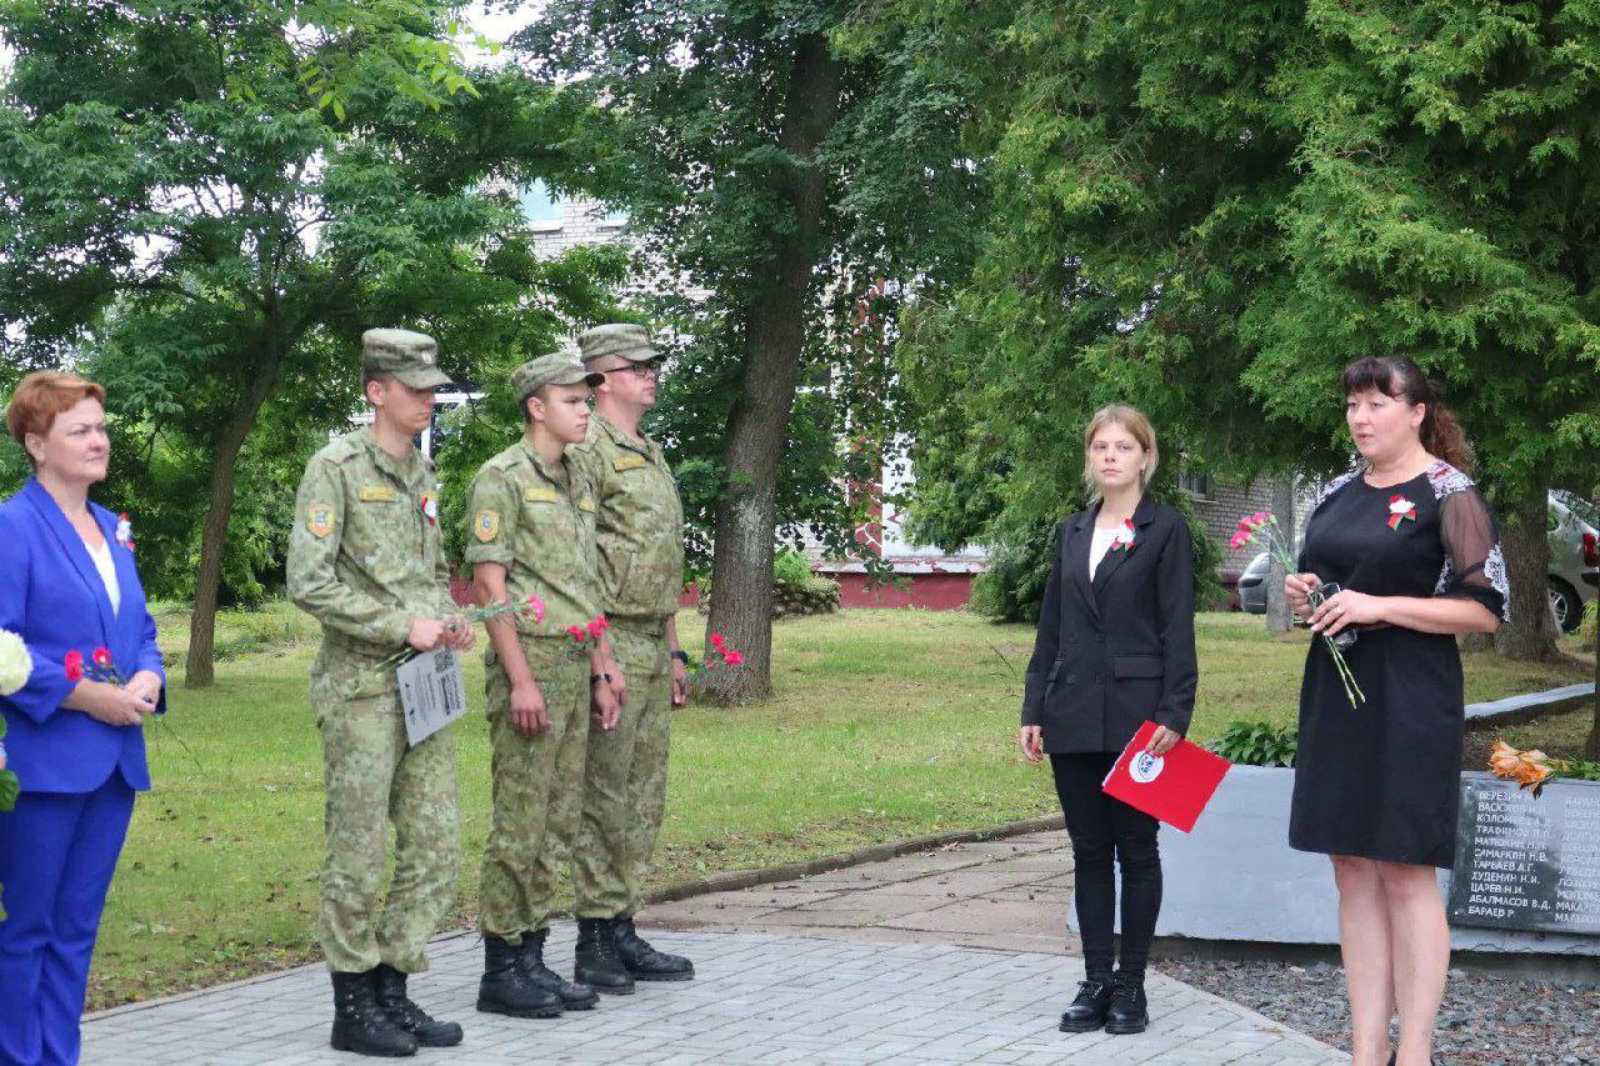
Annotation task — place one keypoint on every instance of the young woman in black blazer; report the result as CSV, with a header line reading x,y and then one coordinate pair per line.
x,y
1115,648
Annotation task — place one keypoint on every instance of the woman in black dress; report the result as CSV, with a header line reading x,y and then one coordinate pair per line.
x,y
1115,649
1414,547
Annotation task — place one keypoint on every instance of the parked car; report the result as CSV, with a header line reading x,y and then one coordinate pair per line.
x,y
1574,557
1574,563
1253,585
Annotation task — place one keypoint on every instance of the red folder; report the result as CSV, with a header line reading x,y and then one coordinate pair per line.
x,y
1174,788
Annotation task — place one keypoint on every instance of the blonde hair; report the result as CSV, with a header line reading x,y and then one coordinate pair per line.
x,y
1138,426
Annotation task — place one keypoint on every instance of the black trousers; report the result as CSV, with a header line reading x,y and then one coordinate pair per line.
x,y
1102,828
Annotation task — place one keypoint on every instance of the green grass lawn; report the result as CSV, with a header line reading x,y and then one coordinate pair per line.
x,y
884,725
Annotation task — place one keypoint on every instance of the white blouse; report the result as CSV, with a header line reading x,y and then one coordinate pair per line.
x,y
108,573
1099,546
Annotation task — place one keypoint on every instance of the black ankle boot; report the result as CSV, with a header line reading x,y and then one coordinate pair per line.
x,y
358,1024
1129,1012
389,989
1088,1011
643,962
597,963
573,996
506,989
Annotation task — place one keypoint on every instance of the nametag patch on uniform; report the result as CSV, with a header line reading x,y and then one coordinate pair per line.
x,y
631,461
586,504
486,525
377,494
540,495
319,519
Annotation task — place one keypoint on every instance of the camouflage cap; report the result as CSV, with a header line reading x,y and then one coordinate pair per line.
x,y
412,358
556,368
631,342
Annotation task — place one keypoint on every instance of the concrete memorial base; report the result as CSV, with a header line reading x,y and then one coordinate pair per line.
x,y
1236,878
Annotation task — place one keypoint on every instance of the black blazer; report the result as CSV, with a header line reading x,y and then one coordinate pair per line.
x,y
1113,654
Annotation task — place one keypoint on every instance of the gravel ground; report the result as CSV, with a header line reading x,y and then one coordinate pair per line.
x,y
1486,1020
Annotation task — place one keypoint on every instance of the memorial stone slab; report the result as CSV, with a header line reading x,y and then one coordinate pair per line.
x,y
1524,862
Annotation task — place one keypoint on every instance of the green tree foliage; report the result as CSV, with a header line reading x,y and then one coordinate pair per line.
x,y
177,215
1207,209
794,176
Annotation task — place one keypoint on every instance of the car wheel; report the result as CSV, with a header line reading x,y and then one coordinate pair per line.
x,y
1566,606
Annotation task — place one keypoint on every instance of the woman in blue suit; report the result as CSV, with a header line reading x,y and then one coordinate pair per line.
x,y
67,584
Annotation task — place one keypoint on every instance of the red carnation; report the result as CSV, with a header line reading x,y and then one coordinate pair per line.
x,y
102,657
716,641
577,633
733,658
73,664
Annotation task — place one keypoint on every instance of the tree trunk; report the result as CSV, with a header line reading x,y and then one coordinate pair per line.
x,y
775,334
1278,615
200,666
1531,633
1591,750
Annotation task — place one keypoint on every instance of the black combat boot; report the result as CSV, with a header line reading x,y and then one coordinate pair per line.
x,y
1088,1011
1129,1013
389,988
358,1024
505,988
597,964
644,962
573,996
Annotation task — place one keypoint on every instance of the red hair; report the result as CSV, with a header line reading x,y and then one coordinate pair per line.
x,y
42,396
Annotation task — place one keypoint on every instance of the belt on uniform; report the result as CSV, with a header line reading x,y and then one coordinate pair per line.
x,y
654,625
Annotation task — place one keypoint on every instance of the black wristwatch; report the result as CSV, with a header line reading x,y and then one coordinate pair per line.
x,y
682,656
596,678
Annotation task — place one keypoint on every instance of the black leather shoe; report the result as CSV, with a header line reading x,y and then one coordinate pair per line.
x,y
358,1024
573,996
1129,1013
596,963
644,962
1088,1011
506,989
389,989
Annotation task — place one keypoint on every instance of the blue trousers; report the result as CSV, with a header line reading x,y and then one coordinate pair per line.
x,y
57,854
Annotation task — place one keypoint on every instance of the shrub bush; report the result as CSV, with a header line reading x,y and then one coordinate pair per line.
x,y
1258,744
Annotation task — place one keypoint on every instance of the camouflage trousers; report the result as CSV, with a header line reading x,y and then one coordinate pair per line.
x,y
537,784
625,781
372,778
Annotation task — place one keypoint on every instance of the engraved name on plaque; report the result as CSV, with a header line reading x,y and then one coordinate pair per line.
x,y
1526,863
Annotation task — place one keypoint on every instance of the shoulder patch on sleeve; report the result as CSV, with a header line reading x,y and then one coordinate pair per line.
x,y
319,519
628,461
486,525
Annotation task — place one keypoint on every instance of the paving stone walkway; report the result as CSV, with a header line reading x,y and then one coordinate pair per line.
x,y
953,956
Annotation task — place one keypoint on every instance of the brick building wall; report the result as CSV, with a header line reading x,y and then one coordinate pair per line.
x,y
1219,505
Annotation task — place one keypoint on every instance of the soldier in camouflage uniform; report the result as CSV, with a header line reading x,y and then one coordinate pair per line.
x,y
532,534
640,534
365,560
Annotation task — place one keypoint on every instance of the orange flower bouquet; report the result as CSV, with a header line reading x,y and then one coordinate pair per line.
x,y
1531,769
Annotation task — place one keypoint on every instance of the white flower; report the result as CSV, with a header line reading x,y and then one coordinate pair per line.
x,y
15,663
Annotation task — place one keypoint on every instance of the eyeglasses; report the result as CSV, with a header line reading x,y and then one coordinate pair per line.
x,y
648,368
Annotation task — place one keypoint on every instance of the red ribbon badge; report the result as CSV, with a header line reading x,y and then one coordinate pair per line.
x,y
1401,509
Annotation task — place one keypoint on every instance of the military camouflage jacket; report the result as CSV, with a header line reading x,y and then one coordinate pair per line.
x,y
365,556
639,523
537,521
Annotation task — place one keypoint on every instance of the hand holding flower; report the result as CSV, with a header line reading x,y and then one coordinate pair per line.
x,y
147,685
1346,608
